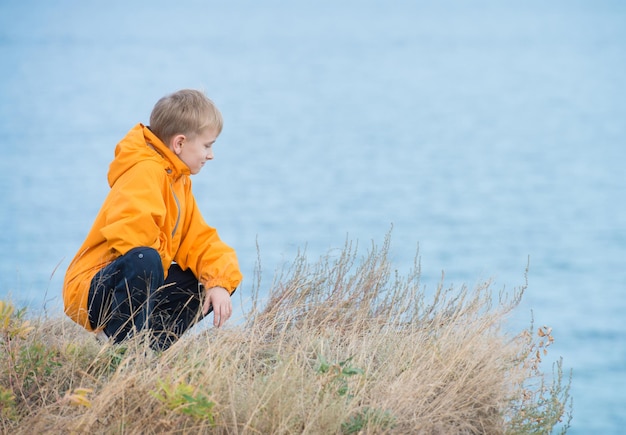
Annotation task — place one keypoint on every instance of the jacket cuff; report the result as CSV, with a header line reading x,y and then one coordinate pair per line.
x,y
216,282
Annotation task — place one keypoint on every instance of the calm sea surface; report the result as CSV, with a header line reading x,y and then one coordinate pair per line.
x,y
492,134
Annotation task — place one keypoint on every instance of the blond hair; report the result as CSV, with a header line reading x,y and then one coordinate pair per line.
x,y
187,112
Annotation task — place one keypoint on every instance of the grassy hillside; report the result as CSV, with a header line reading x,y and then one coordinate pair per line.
x,y
343,345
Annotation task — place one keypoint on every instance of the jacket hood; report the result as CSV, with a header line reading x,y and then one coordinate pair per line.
x,y
141,144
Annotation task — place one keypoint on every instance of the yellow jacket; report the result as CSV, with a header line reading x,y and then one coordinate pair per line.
x,y
150,204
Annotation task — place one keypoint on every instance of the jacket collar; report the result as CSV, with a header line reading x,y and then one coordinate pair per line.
x,y
174,165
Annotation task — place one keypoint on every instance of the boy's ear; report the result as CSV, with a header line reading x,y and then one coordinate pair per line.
x,y
177,142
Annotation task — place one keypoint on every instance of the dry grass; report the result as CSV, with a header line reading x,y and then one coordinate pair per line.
x,y
343,345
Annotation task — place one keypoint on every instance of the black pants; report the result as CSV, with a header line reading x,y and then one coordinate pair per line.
x,y
130,295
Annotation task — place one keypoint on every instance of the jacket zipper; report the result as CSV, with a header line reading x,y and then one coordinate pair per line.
x,y
177,208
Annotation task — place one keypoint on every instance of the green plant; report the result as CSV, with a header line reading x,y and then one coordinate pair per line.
x,y
336,375
180,397
7,404
368,419
541,406
24,363
12,323
28,359
33,362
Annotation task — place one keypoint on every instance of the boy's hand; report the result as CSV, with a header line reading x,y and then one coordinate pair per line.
x,y
219,299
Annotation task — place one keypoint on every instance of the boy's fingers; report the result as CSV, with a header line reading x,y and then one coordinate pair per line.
x,y
206,306
219,299
217,318
221,315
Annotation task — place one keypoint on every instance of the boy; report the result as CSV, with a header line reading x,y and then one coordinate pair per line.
x,y
150,262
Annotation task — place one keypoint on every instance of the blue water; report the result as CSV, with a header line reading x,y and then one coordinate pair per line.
x,y
490,133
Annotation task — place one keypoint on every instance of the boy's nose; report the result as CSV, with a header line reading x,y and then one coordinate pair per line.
x,y
209,155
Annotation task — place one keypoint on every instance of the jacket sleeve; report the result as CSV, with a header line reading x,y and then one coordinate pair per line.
x,y
136,209
212,261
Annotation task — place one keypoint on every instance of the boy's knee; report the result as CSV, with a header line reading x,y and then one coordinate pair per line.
x,y
147,259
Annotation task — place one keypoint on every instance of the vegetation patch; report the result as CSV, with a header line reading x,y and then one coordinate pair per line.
x,y
341,345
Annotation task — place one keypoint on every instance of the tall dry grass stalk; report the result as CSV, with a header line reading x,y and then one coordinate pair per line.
x,y
343,345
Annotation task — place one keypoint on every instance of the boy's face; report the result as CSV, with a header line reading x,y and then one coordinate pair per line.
x,y
195,150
